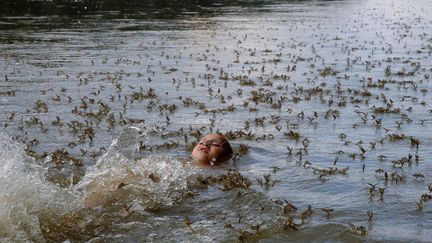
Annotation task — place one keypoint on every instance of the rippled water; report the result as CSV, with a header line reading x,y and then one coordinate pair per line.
x,y
100,109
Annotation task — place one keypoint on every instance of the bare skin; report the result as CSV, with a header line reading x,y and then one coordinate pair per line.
x,y
107,189
211,149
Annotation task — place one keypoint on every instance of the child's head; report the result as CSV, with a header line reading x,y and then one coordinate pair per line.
x,y
212,149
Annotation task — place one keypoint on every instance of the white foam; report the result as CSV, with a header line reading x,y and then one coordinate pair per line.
x,y
156,181
26,195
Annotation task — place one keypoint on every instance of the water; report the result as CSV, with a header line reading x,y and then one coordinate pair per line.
x,y
100,109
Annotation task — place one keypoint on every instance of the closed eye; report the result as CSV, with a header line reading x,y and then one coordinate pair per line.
x,y
210,143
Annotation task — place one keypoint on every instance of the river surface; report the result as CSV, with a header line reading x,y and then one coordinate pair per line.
x,y
326,103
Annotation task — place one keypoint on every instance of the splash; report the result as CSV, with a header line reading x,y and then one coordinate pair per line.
x,y
156,181
123,198
117,178
26,195
31,207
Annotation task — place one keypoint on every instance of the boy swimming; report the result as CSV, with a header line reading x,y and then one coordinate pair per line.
x,y
111,185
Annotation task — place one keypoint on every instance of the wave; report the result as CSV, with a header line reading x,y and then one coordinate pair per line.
x,y
122,198
29,203
26,194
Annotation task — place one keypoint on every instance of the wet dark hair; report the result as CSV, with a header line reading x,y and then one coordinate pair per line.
x,y
227,151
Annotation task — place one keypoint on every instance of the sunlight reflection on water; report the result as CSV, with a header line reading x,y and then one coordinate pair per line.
x,y
324,70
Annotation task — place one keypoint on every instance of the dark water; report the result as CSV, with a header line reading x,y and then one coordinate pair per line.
x,y
99,103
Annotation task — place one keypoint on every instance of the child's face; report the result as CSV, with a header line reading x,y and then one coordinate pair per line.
x,y
209,149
